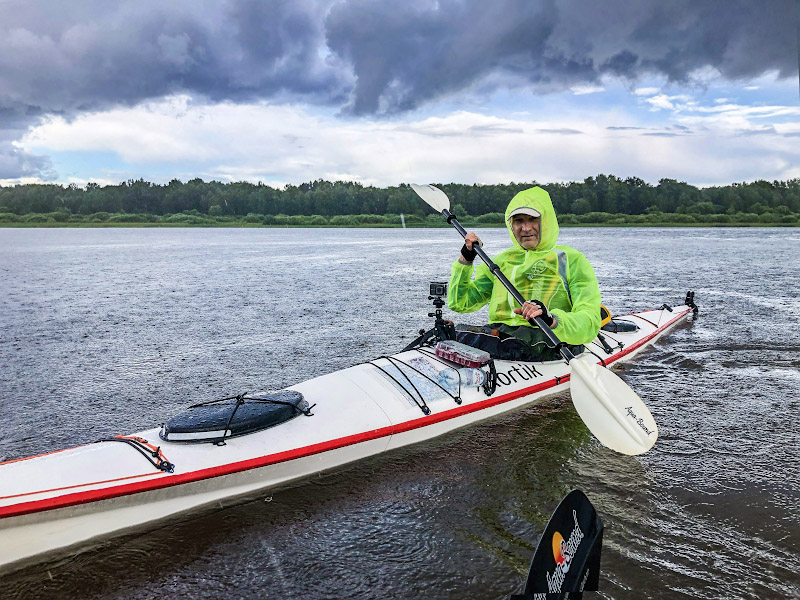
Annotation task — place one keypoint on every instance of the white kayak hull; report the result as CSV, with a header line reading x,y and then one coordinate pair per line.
x,y
73,497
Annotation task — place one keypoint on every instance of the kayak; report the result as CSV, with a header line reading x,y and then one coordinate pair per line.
x,y
244,444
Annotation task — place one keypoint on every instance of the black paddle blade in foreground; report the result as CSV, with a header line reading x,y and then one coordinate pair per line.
x,y
567,560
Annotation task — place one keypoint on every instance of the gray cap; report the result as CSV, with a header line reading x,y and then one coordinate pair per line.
x,y
524,210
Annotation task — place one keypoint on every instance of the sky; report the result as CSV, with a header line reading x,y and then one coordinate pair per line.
x,y
388,92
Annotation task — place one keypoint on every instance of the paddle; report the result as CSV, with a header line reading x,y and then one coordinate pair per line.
x,y
610,409
567,558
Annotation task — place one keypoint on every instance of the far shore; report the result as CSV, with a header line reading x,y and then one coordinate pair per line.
x,y
465,223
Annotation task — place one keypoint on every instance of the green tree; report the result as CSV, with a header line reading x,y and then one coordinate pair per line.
x,y
581,206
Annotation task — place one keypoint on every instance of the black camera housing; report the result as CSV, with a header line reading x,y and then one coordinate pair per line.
x,y
438,288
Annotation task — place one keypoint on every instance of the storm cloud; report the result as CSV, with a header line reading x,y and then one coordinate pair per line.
x,y
360,57
408,53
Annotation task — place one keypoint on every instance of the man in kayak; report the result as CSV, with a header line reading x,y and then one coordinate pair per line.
x,y
559,281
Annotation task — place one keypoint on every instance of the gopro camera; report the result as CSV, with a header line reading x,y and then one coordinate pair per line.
x,y
438,288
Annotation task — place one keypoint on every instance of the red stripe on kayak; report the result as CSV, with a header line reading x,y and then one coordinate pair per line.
x,y
476,406
643,319
263,461
193,476
72,487
643,341
8,462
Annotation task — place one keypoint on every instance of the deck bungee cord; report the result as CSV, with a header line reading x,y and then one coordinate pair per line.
x,y
152,453
417,396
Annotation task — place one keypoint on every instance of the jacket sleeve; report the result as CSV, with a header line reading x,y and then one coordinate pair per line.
x,y
582,324
465,295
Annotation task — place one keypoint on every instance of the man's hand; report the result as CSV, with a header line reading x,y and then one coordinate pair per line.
x,y
467,253
536,308
470,239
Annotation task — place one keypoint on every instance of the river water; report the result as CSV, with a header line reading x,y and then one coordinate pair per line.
x,y
107,331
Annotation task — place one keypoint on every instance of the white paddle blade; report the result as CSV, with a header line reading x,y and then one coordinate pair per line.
x,y
435,197
611,410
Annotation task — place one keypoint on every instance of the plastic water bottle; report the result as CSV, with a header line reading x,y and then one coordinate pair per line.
x,y
449,378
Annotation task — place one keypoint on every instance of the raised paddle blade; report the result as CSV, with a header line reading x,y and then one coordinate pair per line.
x,y
435,197
611,410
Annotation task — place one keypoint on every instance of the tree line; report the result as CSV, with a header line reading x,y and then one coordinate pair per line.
x,y
601,199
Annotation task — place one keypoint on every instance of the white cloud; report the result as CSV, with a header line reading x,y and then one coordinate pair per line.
x,y
178,137
677,102
580,90
731,120
661,101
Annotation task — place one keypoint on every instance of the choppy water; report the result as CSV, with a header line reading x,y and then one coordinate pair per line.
x,y
106,331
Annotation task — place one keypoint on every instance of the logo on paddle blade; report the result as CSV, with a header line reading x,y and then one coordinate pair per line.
x,y
639,421
559,546
563,552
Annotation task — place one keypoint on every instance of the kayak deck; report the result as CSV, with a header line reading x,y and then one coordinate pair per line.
x,y
60,499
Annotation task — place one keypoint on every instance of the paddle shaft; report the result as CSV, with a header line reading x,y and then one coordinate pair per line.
x,y
495,270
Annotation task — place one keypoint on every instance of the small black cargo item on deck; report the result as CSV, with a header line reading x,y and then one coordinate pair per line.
x,y
230,417
619,326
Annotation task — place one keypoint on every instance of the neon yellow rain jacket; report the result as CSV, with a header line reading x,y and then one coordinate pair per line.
x,y
538,274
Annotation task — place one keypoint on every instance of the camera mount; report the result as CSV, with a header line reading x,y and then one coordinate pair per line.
x,y
443,329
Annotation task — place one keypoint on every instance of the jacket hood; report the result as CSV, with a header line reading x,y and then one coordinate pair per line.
x,y
538,199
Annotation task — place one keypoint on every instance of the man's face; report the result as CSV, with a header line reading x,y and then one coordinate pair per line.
x,y
526,230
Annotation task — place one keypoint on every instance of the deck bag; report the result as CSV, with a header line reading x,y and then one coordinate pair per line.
x,y
230,417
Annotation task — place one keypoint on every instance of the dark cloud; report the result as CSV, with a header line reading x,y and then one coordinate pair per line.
x,y
103,53
623,63
14,162
18,164
363,56
404,54
563,131
495,129
766,130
